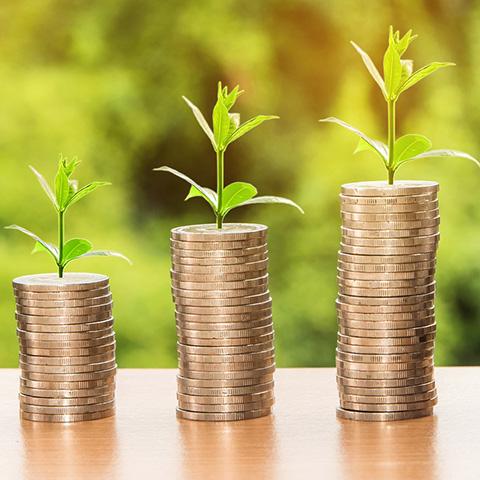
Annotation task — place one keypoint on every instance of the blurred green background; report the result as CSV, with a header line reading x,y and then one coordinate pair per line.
x,y
103,81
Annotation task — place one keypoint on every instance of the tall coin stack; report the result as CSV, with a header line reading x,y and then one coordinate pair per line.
x,y
67,347
223,314
385,306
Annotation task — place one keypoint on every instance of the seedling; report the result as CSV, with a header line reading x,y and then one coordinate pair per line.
x,y
398,76
66,194
226,129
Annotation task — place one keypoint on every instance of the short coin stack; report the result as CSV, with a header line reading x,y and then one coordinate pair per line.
x,y
385,306
67,347
223,313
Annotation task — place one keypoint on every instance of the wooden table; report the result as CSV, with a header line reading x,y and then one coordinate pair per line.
x,y
303,439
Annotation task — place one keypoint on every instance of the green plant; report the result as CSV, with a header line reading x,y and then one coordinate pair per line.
x,y
398,76
226,129
66,194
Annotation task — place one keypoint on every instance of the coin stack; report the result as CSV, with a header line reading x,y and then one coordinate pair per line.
x,y
67,347
385,306
223,314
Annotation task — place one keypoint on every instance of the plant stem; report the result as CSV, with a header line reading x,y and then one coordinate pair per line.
x,y
220,183
61,237
391,140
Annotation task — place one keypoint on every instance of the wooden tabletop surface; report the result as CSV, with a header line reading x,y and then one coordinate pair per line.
x,y
302,439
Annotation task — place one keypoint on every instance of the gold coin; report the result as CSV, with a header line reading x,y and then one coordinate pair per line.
x,y
387,392
260,306
355,250
228,286
383,189
216,253
218,261
210,233
225,408
387,383
66,410
388,399
69,418
232,375
65,402
191,383
262,322
218,246
66,295
109,372
184,388
216,294
66,329
387,292
392,242
222,417
372,364
405,225
225,342
390,216
217,277
386,350
256,347
389,233
355,313
190,366
222,302
378,270
392,201
67,311
384,309
246,357
388,407
223,399
29,368
400,332
64,320
349,207
387,341
385,259
258,266
390,301
27,342
66,394
386,359
390,278
50,282
251,332
385,374
86,302
224,318
383,416
55,352
108,382
384,284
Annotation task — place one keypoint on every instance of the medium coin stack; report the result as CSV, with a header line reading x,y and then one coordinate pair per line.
x,y
223,314
385,306
67,347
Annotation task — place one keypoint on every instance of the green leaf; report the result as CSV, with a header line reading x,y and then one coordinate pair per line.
x,y
75,248
84,191
62,188
271,199
105,253
201,121
379,147
247,126
372,69
446,153
45,186
408,146
38,248
205,192
403,43
235,194
70,165
221,121
230,98
51,249
363,146
421,73
392,68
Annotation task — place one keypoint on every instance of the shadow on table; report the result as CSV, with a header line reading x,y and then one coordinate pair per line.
x,y
394,450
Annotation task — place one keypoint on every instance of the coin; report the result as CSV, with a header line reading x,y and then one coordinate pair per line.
x,y
385,383
225,408
386,225
384,259
387,292
388,407
223,318
66,418
63,320
385,360
66,410
383,416
233,375
190,366
211,251
217,246
355,312
65,402
349,207
50,282
258,266
220,261
210,232
387,301
389,233
393,201
388,392
256,347
383,189
417,249
386,350
226,342
418,268
93,301
222,417
388,341
215,294
217,277
67,353
59,328
392,242
246,357
223,399
389,399
67,311
222,302
188,383
184,388
69,377
404,371
225,326
63,394
383,309
65,340
28,368
390,216
388,330
251,332
65,295
221,285
384,284
107,355
66,386
265,305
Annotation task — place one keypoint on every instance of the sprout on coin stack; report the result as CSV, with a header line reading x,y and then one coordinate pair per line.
x,y
219,277
65,323
386,266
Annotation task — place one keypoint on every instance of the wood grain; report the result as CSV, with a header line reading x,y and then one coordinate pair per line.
x,y
303,439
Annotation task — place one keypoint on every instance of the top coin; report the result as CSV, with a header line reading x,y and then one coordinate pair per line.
x,y
210,233
383,189
51,282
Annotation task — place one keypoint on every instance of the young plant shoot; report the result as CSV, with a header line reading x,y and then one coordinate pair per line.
x,y
66,194
398,76
226,129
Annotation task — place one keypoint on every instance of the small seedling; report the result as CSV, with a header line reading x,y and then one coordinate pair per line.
x,y
398,76
226,129
66,194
